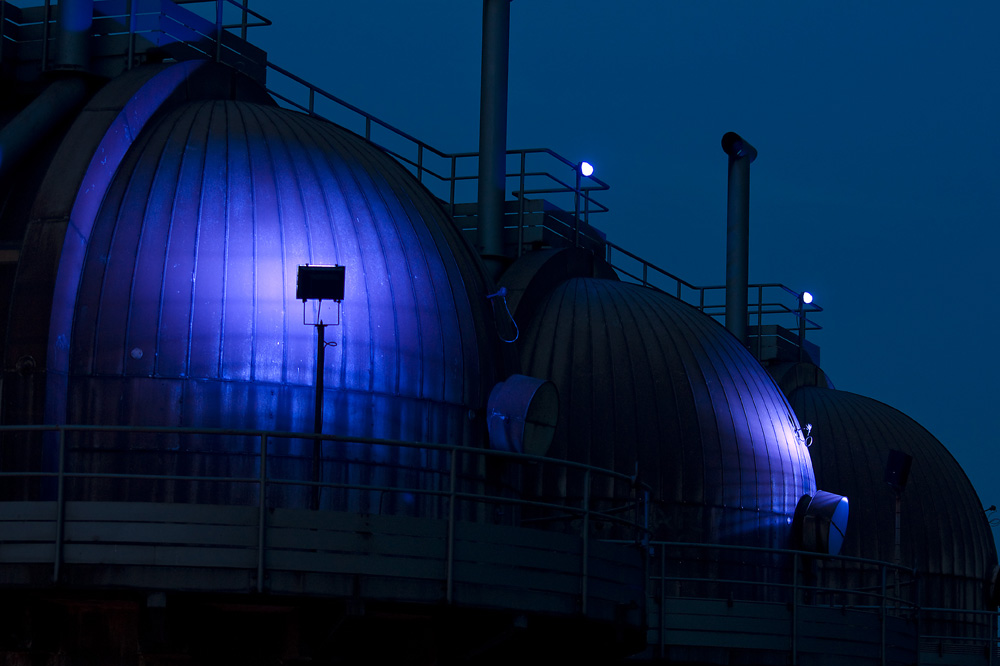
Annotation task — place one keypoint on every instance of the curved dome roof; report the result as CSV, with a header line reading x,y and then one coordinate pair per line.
x,y
944,533
644,378
186,312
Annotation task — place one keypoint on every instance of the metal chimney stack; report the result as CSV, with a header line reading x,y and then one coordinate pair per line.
x,y
74,28
741,154
493,133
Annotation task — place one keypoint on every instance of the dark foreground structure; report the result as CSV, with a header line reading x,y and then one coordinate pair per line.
x,y
500,438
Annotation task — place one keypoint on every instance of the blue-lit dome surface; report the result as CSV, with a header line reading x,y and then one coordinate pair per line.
x,y
944,533
186,313
644,378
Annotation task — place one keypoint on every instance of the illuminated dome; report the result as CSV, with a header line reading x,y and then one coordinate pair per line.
x,y
648,382
944,533
191,268
185,312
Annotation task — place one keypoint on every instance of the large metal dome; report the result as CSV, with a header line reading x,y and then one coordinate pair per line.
x,y
187,293
944,533
174,304
647,382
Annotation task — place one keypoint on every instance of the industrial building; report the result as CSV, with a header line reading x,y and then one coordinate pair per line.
x,y
277,390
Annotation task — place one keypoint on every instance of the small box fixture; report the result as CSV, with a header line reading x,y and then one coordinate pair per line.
x,y
325,283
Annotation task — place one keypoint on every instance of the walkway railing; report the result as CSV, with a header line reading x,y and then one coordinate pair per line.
x,y
62,455
770,303
801,581
204,33
452,177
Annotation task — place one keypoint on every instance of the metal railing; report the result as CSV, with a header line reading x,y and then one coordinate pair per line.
x,y
943,644
706,571
768,303
204,33
451,177
68,447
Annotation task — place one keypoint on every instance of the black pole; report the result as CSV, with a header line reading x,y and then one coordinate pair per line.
x,y
802,328
493,132
741,154
318,411
75,20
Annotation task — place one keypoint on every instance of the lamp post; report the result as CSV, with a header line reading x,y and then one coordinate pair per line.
x,y
587,170
319,283
805,298
897,472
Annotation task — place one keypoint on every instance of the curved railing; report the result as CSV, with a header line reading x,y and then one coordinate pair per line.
x,y
56,463
452,177
811,592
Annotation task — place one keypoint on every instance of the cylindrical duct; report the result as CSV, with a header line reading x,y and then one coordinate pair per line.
x,y
522,414
73,37
821,522
57,104
741,154
493,132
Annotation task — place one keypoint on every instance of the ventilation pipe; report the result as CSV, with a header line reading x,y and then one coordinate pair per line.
x,y
493,133
63,98
75,20
741,154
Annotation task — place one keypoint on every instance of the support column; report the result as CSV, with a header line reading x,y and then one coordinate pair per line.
x,y
493,133
741,154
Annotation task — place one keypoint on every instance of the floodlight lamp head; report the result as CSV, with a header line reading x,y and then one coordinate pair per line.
x,y
807,298
324,283
586,169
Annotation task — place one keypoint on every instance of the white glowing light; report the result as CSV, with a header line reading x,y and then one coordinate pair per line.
x,y
586,169
807,298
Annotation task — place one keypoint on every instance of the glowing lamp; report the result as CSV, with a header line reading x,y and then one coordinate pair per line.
x,y
586,169
325,283
807,298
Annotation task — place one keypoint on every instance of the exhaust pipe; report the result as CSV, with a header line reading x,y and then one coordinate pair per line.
x,y
493,133
63,97
74,28
741,154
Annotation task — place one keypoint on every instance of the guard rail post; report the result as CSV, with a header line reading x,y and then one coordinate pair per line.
x,y
663,599
586,542
218,30
261,512
576,210
882,614
795,610
760,319
60,507
45,34
450,546
520,207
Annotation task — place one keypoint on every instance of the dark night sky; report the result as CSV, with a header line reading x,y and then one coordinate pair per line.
x,y
877,185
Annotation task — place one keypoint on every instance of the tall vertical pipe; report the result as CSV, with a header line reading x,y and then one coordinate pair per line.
x,y
74,28
741,154
493,132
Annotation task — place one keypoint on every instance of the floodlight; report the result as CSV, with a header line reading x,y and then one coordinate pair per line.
x,y
586,169
325,283
807,298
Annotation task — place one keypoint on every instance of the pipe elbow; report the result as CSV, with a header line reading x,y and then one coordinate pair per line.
x,y
737,147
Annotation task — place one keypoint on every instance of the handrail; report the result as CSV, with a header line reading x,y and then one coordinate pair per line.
x,y
882,598
118,14
580,508
711,299
454,168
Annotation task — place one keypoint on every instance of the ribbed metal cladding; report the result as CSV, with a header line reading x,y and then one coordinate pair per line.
x,y
644,378
186,313
944,533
